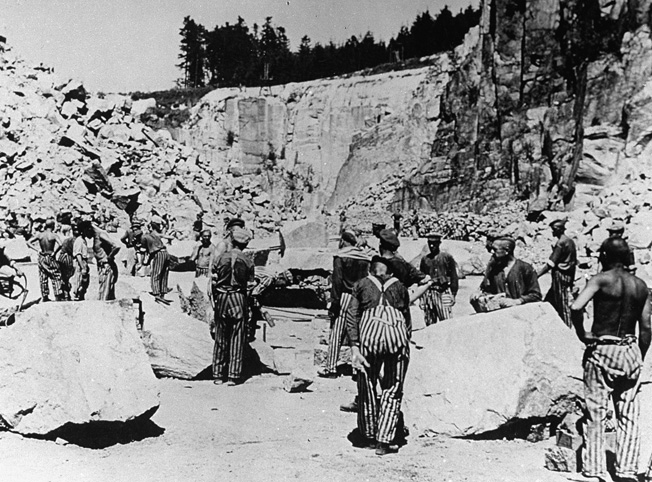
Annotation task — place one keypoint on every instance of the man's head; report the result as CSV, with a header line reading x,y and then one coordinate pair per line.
x,y
376,228
240,237
381,268
388,240
490,236
434,242
49,223
558,227
503,248
348,238
617,228
233,223
205,237
614,251
156,223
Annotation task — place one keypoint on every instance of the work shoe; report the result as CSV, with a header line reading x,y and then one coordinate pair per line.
x,y
326,374
219,381
232,382
350,407
385,449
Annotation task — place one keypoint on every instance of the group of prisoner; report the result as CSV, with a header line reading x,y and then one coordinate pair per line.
x,y
370,307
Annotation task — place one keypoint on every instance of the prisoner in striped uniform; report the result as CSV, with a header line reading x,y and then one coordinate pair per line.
x,y
202,253
231,274
613,359
81,278
562,263
104,251
350,265
378,417
505,274
438,301
48,268
66,266
158,259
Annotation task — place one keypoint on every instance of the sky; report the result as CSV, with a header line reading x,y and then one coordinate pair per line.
x,y
133,45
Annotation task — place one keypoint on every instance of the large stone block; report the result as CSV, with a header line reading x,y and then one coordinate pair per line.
x,y
474,374
74,363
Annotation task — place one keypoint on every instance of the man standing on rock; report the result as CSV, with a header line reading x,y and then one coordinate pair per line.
x,y
132,239
48,268
379,330
510,276
104,251
613,359
231,274
66,265
81,278
617,230
202,253
562,262
158,259
198,225
350,265
438,301
396,218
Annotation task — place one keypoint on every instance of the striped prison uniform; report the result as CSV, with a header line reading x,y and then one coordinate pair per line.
x,y
378,417
81,279
350,264
337,333
160,270
560,295
107,273
437,305
562,263
230,274
48,270
199,272
230,321
612,367
66,266
159,261
437,302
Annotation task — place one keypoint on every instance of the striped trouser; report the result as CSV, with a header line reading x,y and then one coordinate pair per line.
x,y
560,294
612,369
201,272
230,321
80,281
107,274
48,270
160,262
378,419
67,270
436,305
338,330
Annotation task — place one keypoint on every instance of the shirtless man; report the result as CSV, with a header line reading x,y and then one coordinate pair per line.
x,y
613,359
202,253
48,267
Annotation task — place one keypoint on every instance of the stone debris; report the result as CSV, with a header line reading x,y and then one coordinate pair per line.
x,y
74,363
64,148
297,381
456,366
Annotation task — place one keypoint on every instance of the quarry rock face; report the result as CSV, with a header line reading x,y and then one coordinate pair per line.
x,y
74,363
475,374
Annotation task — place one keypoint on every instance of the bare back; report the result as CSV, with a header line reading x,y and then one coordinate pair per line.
x,y
48,241
618,304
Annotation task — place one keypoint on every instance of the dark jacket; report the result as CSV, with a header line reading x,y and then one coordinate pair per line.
x,y
520,283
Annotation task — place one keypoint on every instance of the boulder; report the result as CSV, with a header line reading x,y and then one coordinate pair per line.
x,y
196,304
476,373
639,230
307,235
74,363
178,345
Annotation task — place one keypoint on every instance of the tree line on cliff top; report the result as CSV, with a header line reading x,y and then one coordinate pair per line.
x,y
234,55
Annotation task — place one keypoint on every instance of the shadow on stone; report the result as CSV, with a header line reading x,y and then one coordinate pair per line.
x,y
100,435
533,429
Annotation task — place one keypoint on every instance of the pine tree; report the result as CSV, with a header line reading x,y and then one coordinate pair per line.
x,y
192,54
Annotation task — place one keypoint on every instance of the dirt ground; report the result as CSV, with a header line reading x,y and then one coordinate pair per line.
x,y
257,431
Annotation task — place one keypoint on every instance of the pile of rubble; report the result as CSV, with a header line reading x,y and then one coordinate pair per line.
x,y
63,148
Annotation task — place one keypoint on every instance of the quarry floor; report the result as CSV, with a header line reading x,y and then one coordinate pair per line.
x,y
257,431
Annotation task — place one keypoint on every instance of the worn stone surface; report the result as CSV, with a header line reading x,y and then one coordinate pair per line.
x,y
74,363
474,374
